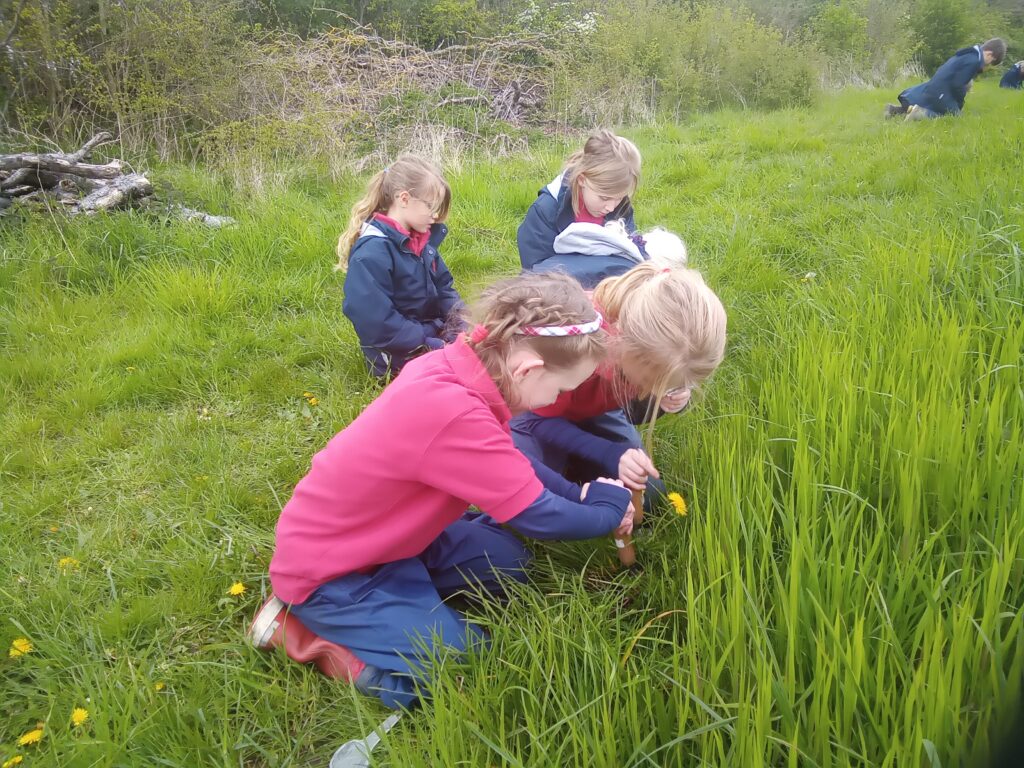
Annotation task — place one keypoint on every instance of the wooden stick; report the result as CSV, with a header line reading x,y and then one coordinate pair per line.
x,y
624,545
60,164
638,507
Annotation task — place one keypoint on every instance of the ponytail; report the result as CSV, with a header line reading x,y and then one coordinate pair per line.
x,y
409,173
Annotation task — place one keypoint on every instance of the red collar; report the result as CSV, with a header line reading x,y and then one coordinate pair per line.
x,y
586,216
417,240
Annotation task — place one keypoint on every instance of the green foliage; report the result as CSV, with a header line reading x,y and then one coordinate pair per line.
x,y
941,27
841,30
657,57
154,71
450,21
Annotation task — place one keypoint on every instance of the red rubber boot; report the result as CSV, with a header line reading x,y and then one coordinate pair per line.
x,y
276,626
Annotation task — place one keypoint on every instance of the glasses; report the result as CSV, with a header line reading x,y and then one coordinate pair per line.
x,y
435,210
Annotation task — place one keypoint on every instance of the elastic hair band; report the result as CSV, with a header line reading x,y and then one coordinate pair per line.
x,y
580,329
478,334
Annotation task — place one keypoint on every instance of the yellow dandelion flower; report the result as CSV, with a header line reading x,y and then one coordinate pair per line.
x,y
159,685
67,564
678,503
16,760
78,716
307,395
32,737
314,401
236,589
19,647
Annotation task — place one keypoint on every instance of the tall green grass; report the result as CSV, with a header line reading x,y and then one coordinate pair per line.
x,y
845,591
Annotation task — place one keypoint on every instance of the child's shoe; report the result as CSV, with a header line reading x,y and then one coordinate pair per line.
x,y
892,110
276,626
917,113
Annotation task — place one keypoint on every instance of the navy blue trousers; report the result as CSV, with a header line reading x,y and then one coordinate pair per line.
x,y
395,619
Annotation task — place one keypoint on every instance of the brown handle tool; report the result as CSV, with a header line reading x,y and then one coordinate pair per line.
x,y
624,545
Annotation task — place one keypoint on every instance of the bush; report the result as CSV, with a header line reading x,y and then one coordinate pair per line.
x,y
154,71
941,27
654,57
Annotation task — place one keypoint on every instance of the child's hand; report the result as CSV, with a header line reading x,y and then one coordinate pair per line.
x,y
635,467
675,400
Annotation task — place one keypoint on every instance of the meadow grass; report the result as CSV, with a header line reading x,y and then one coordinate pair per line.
x,y
845,591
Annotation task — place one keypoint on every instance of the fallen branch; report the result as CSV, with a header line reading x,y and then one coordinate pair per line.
x,y
60,164
65,178
116,194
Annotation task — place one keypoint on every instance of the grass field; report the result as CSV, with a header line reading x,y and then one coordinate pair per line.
x,y
846,589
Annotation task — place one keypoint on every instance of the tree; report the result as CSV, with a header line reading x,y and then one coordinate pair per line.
x,y
941,27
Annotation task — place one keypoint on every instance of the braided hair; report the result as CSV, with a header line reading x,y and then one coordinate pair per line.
x,y
507,308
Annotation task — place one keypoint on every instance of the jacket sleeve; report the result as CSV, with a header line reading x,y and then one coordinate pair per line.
x,y
552,517
553,481
369,305
536,235
589,270
566,436
960,78
449,298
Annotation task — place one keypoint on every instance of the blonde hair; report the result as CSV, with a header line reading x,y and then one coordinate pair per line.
x,y
610,163
532,299
668,325
409,173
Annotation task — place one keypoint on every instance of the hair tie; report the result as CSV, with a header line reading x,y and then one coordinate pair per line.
x,y
479,333
578,329
665,269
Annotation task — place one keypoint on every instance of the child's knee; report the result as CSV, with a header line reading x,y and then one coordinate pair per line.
x,y
511,559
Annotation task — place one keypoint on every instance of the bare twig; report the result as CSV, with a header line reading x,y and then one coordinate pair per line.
x,y
90,145
14,26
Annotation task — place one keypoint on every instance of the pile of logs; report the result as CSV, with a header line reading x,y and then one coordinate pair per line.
x,y
81,187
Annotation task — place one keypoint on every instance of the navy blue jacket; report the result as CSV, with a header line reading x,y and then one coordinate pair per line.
x,y
399,303
946,91
1013,77
552,212
551,516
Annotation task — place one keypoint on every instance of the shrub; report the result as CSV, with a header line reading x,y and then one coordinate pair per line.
x,y
655,57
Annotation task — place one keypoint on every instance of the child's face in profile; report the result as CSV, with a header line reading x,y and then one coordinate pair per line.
x,y
539,385
414,213
600,202
989,57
